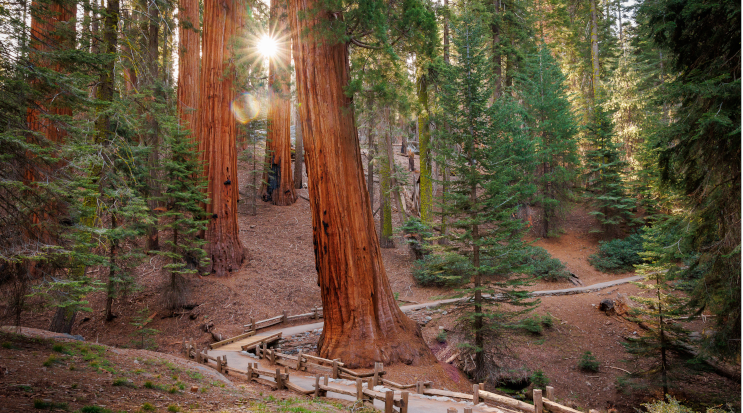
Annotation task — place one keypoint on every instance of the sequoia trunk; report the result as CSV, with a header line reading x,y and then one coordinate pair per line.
x,y
217,134
188,63
278,186
363,323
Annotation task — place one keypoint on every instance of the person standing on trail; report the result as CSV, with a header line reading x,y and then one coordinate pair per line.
x,y
411,160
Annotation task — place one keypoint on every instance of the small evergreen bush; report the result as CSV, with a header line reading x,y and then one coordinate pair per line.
x,y
446,269
588,362
618,255
545,267
539,380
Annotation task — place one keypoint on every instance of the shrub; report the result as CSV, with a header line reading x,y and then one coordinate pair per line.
x,y
123,382
536,324
539,380
50,361
618,255
148,385
173,408
446,269
42,405
94,409
59,348
441,337
544,267
148,407
588,362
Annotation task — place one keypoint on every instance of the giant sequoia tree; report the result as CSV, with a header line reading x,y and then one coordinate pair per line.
x,y
217,134
363,323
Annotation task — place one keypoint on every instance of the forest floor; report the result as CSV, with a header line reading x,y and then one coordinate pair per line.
x,y
281,276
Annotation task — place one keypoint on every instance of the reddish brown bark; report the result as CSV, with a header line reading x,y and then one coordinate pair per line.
x,y
217,134
51,30
278,184
188,63
363,323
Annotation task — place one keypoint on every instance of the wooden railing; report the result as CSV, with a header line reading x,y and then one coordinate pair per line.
x,y
337,370
283,318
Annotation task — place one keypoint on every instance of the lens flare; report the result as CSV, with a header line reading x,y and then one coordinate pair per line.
x,y
245,107
268,46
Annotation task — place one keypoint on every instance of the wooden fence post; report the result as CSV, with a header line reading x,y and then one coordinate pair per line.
x,y
359,390
538,408
467,410
279,379
283,319
376,373
370,383
314,313
550,393
273,356
249,373
451,410
299,360
389,400
404,405
419,387
191,347
325,380
317,385
335,368
475,394
252,324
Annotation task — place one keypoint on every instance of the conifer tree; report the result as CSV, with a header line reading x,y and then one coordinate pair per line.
x,y
183,218
605,185
659,310
699,149
553,129
495,153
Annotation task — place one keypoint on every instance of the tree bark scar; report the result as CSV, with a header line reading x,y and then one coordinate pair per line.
x,y
325,227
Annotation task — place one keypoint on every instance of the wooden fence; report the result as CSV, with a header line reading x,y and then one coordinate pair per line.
x,y
283,318
337,370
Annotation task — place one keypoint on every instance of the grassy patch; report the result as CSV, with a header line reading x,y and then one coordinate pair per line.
x,y
122,382
51,360
148,407
94,409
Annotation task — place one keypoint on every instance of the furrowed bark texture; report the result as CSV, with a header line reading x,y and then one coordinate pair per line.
x,y
278,184
188,64
363,324
51,30
217,134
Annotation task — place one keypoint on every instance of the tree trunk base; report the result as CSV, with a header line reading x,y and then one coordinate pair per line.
x,y
226,258
362,347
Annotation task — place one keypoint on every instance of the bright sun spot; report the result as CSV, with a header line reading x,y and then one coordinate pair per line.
x,y
267,46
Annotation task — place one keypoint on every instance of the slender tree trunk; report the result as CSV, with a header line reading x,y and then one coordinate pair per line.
x,y
424,143
362,323
594,54
279,187
385,204
445,169
394,184
188,65
130,74
217,135
298,151
497,66
111,285
153,137
370,161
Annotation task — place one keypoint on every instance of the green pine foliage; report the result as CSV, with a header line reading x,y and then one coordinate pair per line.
x,y
618,255
487,152
606,189
553,128
659,311
183,217
699,149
